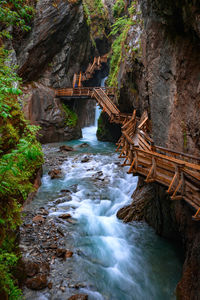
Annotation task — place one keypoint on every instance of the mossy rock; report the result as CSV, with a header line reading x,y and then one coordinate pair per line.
x,y
108,132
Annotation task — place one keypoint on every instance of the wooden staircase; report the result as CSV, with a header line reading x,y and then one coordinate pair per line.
x,y
177,171
96,65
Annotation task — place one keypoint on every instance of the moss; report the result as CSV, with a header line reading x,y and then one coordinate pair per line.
x,y
71,117
96,15
120,46
107,131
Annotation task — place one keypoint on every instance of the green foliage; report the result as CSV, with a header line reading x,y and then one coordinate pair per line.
x,y
70,116
20,153
15,12
120,30
96,17
7,261
118,8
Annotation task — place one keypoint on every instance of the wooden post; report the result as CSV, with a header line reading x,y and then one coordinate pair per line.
x,y
79,82
74,80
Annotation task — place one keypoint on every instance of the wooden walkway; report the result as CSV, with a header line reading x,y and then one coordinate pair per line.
x,y
101,95
92,67
177,171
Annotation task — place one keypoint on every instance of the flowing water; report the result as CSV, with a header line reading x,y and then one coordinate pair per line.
x,y
116,261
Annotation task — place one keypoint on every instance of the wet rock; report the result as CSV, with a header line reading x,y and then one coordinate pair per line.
x,y
61,200
85,159
50,285
43,211
44,267
83,145
31,268
56,173
64,216
61,252
38,219
74,188
79,285
62,288
71,221
79,297
98,176
68,254
38,282
66,148
65,191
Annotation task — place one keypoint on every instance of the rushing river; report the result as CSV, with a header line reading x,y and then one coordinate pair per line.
x,y
116,261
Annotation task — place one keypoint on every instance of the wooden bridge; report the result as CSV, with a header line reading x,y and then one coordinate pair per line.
x,y
101,95
177,171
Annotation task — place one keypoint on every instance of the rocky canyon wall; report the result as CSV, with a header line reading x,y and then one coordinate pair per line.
x,y
163,77
58,45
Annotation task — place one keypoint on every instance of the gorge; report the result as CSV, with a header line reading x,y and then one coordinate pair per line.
x,y
72,244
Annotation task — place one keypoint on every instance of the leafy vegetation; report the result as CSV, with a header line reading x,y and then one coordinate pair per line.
x,y
97,17
20,153
70,116
119,32
118,8
17,13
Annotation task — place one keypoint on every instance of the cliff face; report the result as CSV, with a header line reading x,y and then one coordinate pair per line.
x,y
58,46
164,79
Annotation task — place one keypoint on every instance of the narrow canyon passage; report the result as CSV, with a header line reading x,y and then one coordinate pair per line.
x,y
111,260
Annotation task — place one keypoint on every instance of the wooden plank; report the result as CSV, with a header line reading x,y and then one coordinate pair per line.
x,y
142,123
145,144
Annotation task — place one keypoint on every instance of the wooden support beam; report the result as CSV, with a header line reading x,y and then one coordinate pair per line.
x,y
172,182
196,217
132,165
177,189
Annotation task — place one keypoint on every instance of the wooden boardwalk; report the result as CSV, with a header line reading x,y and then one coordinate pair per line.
x,y
101,95
88,74
178,172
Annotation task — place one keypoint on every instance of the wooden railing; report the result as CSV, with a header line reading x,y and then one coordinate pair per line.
x,y
101,96
81,91
178,171
96,65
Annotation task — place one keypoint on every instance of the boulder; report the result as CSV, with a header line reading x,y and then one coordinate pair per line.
x,y
85,159
65,216
66,148
83,145
38,282
55,173
38,219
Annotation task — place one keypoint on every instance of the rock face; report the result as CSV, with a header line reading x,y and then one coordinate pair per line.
x,y
43,109
58,46
164,79
107,131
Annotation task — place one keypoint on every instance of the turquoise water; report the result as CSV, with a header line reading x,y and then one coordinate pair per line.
x,y
116,261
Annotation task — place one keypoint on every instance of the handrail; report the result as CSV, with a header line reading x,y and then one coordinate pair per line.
x,y
175,170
